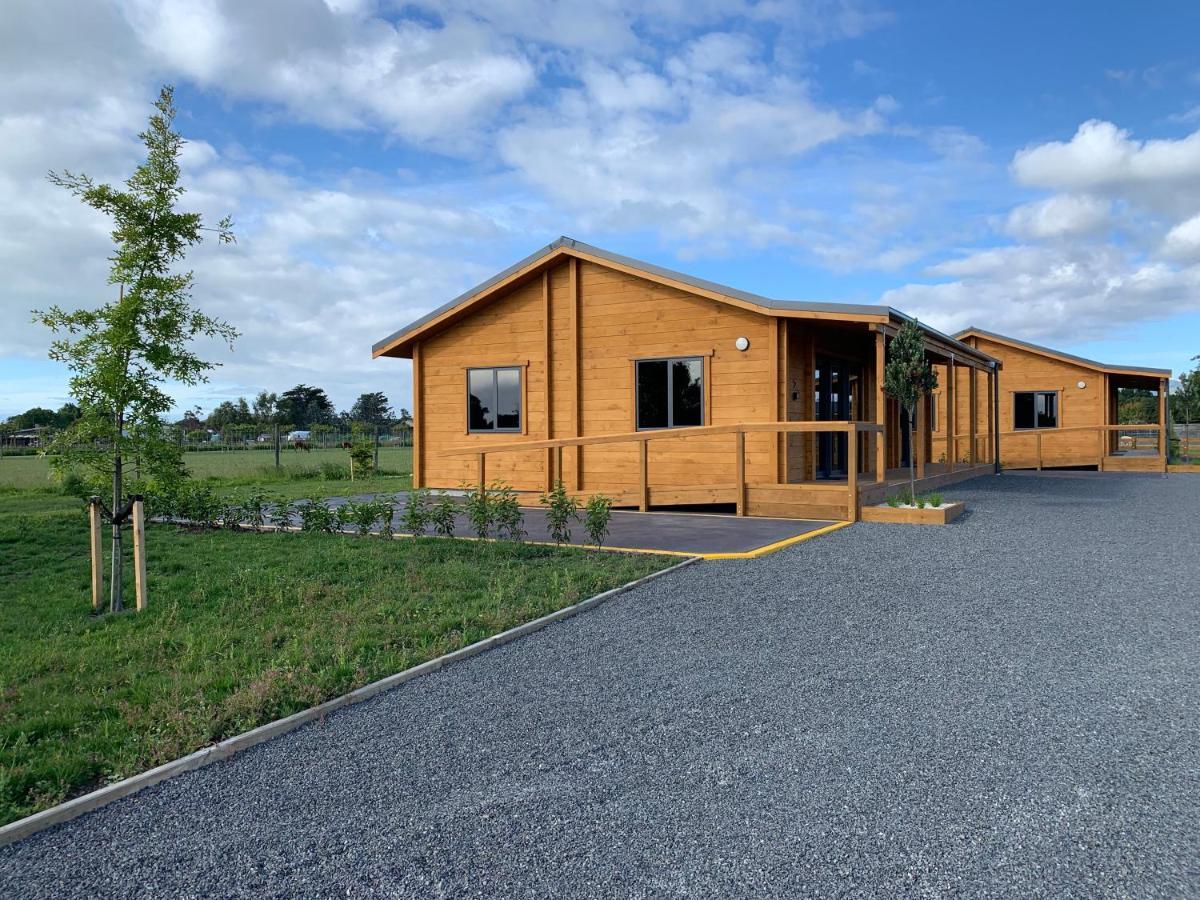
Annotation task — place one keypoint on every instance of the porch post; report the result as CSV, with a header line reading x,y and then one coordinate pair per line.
x,y
973,391
996,419
918,439
1162,421
991,403
852,471
880,410
1105,442
951,402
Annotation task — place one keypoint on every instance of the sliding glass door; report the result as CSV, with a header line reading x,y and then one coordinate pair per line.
x,y
836,385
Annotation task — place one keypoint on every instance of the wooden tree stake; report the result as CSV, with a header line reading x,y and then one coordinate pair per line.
x,y
139,553
97,554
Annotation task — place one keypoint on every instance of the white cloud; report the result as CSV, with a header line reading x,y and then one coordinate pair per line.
x,y
1183,241
1063,295
1060,216
1102,158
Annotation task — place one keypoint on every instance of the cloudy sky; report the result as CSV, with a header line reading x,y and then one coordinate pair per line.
x,y
1030,167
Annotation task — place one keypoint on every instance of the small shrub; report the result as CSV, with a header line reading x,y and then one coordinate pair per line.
x,y
361,515
385,504
442,516
199,505
509,521
284,512
333,472
231,511
935,499
415,517
561,509
254,510
597,515
480,511
316,516
921,503
893,501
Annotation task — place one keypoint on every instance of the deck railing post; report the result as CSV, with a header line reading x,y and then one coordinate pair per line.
x,y
852,471
558,464
482,471
1037,435
644,474
740,445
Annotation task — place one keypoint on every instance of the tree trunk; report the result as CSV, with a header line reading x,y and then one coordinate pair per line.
x,y
115,599
912,459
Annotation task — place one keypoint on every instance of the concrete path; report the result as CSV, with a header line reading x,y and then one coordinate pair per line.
x,y
1006,706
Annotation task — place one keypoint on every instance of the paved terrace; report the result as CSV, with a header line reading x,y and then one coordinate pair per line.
x,y
1007,705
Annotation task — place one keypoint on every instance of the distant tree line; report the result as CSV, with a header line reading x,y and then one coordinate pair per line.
x,y
302,407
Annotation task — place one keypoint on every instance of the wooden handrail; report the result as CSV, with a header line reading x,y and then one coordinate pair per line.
x,y
657,434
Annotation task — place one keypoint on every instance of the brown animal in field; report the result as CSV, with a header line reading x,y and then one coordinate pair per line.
x,y
346,445
301,445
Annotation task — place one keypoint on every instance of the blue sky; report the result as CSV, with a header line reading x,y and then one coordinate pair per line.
x,y
1032,168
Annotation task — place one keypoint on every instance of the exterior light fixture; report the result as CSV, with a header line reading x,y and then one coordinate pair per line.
x,y
1081,385
742,344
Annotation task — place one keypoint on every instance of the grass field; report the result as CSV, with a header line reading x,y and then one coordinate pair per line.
x,y
298,474
242,628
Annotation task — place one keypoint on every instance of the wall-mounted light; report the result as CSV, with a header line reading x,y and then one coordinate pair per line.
x,y
742,344
1081,384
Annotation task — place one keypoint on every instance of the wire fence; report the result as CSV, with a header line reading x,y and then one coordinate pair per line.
x,y
271,440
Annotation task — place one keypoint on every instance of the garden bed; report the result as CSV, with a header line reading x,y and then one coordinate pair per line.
x,y
909,514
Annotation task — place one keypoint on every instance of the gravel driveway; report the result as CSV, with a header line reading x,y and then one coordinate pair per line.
x,y
1010,705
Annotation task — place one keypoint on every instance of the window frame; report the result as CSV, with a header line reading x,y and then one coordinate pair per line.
x,y
1035,426
670,360
519,368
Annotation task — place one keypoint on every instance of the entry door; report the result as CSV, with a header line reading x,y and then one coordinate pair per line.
x,y
836,384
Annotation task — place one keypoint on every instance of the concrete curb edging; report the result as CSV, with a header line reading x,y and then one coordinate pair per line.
x,y
64,812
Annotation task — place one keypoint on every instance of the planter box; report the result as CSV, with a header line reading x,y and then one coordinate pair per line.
x,y
941,515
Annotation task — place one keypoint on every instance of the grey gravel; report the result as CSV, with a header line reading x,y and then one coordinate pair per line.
x,y
1005,706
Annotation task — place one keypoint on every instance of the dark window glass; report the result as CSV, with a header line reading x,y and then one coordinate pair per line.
x,y
508,399
687,392
1047,410
1035,409
652,394
670,393
494,399
1023,411
481,388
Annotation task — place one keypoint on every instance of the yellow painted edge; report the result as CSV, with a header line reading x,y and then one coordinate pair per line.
x,y
778,545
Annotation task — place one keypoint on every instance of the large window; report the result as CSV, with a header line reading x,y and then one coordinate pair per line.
x,y
670,393
494,399
1035,409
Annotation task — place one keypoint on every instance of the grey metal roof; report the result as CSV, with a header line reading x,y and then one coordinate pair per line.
x,y
1082,360
682,277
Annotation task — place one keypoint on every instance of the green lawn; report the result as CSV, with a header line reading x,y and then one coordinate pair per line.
x,y
299,474
242,629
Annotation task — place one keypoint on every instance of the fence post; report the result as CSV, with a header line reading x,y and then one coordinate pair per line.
x,y
376,448
94,524
277,445
139,552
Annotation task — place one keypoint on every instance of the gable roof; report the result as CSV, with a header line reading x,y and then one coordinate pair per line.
x,y
1060,355
399,343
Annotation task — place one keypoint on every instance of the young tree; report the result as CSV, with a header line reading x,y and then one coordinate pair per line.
x,y
123,353
908,377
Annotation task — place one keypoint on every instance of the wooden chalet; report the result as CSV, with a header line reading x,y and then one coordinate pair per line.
x,y
663,390
1058,410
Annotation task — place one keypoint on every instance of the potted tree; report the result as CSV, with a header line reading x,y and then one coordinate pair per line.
x,y
909,378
